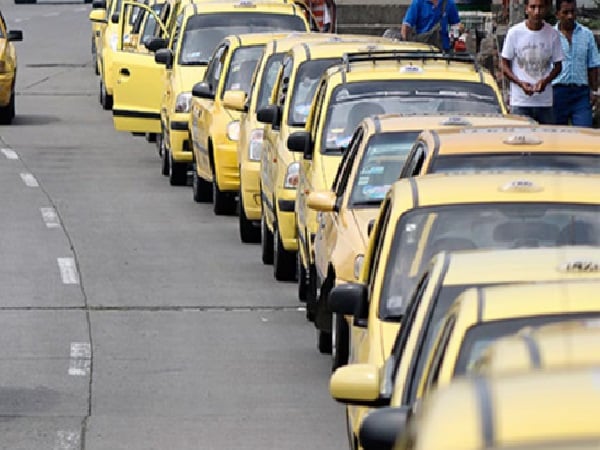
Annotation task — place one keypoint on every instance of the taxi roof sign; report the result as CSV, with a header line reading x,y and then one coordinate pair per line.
x,y
522,139
580,266
521,186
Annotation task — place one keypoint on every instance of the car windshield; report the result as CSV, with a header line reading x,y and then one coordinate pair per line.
x,y
204,31
423,232
269,77
241,68
563,162
352,102
380,166
480,336
307,77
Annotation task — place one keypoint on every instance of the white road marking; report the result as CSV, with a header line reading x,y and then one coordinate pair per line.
x,y
81,359
68,270
29,180
50,217
67,440
10,154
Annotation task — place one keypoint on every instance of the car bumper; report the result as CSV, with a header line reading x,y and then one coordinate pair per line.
x,y
250,189
6,83
179,140
286,218
227,168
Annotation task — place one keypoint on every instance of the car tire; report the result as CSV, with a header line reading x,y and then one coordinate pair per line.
x,y
249,232
324,342
164,159
340,337
284,261
7,113
223,202
302,278
266,242
202,190
151,137
106,100
177,172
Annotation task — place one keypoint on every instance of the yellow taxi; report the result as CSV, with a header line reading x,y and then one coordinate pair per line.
x,y
250,139
423,216
553,409
8,71
98,19
215,127
366,172
569,344
293,92
374,83
538,147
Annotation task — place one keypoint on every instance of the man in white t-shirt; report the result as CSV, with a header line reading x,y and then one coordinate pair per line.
x,y
531,59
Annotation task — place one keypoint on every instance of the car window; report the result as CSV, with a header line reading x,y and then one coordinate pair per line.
x,y
345,167
241,68
379,236
269,78
415,160
213,71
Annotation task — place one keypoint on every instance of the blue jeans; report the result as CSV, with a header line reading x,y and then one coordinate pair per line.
x,y
572,103
543,114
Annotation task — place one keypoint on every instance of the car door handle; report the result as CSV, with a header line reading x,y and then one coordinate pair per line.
x,y
124,72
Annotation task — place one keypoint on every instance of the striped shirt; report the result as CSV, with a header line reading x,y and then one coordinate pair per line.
x,y
580,55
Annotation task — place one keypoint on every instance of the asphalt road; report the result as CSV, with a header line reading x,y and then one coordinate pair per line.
x,y
131,317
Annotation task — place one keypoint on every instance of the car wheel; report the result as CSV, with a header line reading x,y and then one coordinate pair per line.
x,y
7,113
106,100
249,232
266,242
223,202
284,262
177,172
340,336
324,341
202,189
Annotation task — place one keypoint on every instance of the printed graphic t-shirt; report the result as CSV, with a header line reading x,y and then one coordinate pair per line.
x,y
533,54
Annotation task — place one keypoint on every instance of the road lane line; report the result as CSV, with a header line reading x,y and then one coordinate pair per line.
x,y
67,440
50,217
68,270
81,358
29,180
10,154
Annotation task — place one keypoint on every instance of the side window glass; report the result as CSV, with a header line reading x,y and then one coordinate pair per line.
x,y
317,107
284,83
214,68
419,159
176,35
347,164
379,237
439,352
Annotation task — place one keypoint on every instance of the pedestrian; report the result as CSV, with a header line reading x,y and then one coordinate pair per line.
x,y
576,84
531,59
429,20
328,12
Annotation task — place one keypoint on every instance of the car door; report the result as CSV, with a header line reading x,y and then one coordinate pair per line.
x,y
138,90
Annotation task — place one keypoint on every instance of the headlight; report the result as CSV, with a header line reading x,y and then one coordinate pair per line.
x,y
256,144
358,263
291,176
233,130
182,102
113,42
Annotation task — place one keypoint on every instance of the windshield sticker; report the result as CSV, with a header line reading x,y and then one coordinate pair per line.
x,y
375,191
375,170
363,180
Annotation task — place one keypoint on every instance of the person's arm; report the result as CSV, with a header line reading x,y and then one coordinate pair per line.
x,y
405,31
508,73
556,69
410,19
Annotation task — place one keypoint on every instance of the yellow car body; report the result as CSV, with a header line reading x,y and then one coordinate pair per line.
x,y
479,317
293,92
422,216
444,86
366,173
570,344
540,147
8,71
215,149
553,409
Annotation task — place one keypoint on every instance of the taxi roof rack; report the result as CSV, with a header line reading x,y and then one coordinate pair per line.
x,y
400,55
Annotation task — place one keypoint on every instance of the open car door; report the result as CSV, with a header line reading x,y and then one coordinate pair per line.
x,y
139,84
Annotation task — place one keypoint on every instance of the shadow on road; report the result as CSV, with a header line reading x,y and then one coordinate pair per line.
x,y
33,119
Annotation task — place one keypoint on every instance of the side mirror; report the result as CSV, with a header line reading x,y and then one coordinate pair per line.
x,y
381,427
269,114
99,4
15,35
350,299
164,56
300,142
115,18
156,44
370,227
324,201
235,100
203,90
356,384
98,15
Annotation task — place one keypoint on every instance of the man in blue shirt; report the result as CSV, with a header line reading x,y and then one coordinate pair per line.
x,y
574,87
423,15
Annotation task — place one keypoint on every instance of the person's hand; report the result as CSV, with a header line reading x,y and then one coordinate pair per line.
x,y
528,88
540,85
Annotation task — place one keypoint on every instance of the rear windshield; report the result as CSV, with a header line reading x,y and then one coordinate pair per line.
x,y
241,68
352,102
307,77
380,166
204,31
565,162
423,232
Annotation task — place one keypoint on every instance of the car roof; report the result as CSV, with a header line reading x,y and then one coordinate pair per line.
x,y
339,46
531,139
248,39
241,6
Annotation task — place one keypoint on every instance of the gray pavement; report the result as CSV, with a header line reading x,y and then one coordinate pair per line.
x,y
131,317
